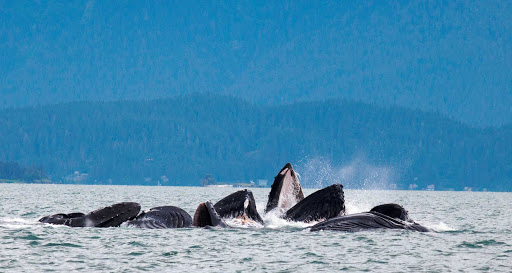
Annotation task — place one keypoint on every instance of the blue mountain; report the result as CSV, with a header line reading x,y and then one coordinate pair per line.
x,y
448,57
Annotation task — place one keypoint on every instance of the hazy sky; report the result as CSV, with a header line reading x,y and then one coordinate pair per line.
x,y
454,57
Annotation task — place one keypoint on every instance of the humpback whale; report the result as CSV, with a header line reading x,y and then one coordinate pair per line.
x,y
323,204
285,191
286,197
286,194
387,216
240,204
126,213
207,216
162,217
111,216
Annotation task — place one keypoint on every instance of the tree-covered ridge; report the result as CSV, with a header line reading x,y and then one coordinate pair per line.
x,y
178,141
13,171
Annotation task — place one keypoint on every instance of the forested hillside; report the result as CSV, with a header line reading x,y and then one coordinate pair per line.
x,y
178,141
12,171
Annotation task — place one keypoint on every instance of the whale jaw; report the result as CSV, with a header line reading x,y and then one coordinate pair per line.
x,y
286,190
207,216
323,204
240,204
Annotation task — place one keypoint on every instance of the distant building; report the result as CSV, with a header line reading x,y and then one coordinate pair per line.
x,y
77,177
430,187
413,186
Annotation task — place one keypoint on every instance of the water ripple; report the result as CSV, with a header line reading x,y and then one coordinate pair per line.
x,y
468,237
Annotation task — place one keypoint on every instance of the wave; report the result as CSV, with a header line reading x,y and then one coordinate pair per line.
x,y
16,222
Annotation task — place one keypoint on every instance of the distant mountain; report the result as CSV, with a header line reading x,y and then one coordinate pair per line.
x,y
450,57
178,141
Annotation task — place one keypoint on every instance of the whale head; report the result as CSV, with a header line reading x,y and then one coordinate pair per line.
x,y
206,215
393,210
286,190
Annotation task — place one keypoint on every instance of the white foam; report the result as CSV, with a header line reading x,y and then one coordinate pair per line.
x,y
239,223
440,227
15,223
274,220
351,207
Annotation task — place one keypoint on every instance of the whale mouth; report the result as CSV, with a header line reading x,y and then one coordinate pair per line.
x,y
243,222
238,204
321,205
286,190
206,215
393,210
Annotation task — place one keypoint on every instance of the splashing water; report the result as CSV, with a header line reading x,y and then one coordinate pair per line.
x,y
317,173
439,227
15,223
274,220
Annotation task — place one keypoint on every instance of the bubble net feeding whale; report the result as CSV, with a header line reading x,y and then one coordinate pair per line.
x,y
324,208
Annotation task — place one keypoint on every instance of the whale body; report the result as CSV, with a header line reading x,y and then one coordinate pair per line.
x,y
162,217
111,216
387,216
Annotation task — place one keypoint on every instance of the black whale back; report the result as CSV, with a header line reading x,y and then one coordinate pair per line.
x,y
323,204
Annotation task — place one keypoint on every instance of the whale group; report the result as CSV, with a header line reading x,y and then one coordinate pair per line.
x,y
324,209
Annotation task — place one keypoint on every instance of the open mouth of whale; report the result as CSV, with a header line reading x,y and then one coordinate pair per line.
x,y
323,204
286,190
206,216
238,205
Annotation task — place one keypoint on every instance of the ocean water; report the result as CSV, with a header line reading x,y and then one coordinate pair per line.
x,y
472,232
